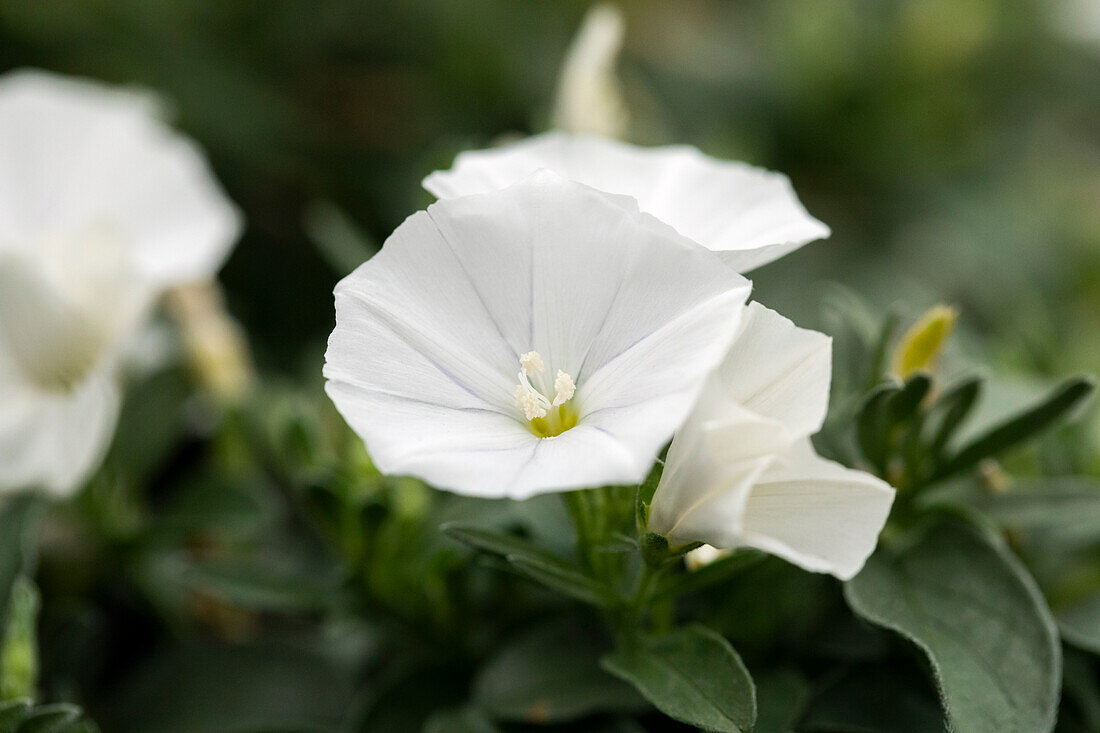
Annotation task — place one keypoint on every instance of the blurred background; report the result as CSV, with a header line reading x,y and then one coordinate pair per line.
x,y
952,145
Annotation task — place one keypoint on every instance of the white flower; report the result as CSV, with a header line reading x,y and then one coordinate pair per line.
x,y
540,338
101,207
589,98
749,215
742,471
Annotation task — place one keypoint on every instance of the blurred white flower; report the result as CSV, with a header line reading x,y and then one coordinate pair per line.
x,y
742,471
749,216
101,207
540,338
1077,20
589,98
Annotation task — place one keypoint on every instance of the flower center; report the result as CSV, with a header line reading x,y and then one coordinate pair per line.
x,y
546,417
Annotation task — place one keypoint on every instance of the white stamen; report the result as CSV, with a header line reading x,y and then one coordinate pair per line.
x,y
564,387
533,403
531,362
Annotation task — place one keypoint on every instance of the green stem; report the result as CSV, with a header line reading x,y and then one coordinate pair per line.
x,y
578,512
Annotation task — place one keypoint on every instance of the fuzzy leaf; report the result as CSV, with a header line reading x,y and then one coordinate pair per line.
x,y
692,675
980,619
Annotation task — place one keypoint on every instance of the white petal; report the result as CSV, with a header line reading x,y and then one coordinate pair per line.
x,y
751,215
440,317
776,370
709,471
77,153
816,513
54,440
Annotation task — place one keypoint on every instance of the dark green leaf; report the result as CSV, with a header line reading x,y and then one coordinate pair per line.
x,y
904,403
872,425
496,543
780,698
1066,509
1081,689
11,712
874,699
877,364
692,675
463,720
950,410
1019,428
57,718
562,578
533,562
339,240
552,675
1080,622
977,615
261,586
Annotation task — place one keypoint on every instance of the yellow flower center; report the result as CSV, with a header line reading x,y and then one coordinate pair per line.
x,y
546,418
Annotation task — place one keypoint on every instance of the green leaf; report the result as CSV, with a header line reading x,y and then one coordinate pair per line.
x,y
872,425
881,349
495,543
780,699
533,562
1081,690
979,618
11,712
342,243
1065,509
1080,622
950,410
904,403
562,578
1020,428
552,675
56,718
882,698
265,586
692,675
463,720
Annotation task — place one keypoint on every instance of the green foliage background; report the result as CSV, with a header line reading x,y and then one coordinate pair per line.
x,y
250,571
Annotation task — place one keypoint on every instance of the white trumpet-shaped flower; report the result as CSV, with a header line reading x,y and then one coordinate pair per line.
x,y
742,471
101,207
748,215
539,338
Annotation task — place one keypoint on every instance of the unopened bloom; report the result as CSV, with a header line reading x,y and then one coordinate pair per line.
x,y
539,338
748,215
101,207
214,343
589,98
742,471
